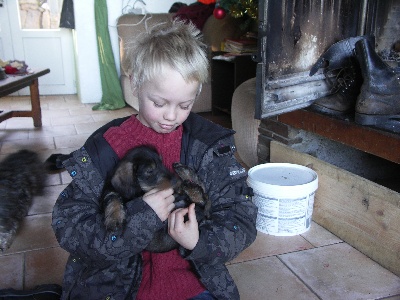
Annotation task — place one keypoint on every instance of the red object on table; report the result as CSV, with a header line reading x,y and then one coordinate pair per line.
x,y
10,70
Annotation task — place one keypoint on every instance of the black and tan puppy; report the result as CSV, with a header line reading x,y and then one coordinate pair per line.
x,y
140,171
22,176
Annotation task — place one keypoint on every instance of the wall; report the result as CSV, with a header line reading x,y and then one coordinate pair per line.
x,y
87,67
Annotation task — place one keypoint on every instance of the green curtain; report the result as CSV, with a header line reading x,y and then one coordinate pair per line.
x,y
112,92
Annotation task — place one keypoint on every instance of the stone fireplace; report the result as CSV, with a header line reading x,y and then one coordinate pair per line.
x,y
292,36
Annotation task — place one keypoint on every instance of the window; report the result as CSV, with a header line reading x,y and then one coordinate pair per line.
x,y
40,14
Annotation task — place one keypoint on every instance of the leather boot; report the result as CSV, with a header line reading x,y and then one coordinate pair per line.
x,y
379,101
340,58
339,55
344,93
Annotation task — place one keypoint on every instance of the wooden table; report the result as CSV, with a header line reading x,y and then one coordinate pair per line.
x,y
14,83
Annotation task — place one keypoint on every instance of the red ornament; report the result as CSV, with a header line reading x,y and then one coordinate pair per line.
x,y
219,13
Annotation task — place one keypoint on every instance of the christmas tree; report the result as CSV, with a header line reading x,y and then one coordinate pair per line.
x,y
240,8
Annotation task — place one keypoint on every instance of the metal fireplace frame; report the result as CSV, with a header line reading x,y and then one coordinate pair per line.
x,y
293,34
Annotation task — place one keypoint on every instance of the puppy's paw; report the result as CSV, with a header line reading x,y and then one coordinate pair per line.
x,y
192,186
114,212
194,192
198,196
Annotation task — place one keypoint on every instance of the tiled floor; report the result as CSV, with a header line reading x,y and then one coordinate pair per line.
x,y
314,265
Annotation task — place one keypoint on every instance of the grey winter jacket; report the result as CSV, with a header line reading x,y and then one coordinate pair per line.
x,y
105,265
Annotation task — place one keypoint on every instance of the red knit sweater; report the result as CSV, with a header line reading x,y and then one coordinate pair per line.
x,y
165,275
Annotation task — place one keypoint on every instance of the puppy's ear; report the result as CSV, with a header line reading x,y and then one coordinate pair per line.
x,y
186,173
122,175
125,182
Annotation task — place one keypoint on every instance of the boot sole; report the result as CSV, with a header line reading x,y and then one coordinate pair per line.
x,y
387,122
330,111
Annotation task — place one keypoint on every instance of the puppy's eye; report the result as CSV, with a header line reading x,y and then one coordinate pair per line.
x,y
150,169
149,172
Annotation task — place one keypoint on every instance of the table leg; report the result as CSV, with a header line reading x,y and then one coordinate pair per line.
x,y
35,102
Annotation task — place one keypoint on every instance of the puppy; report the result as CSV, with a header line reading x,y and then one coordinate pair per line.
x,y
22,176
140,171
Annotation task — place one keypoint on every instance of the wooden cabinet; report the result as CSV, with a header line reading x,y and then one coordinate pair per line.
x,y
226,76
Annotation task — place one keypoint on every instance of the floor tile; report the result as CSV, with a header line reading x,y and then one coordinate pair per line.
x,y
71,98
12,271
45,266
34,233
3,125
114,114
80,119
45,122
86,110
13,134
20,103
52,131
341,272
62,103
44,204
73,141
54,98
36,144
55,113
318,236
53,179
268,245
19,123
65,178
91,127
45,153
268,278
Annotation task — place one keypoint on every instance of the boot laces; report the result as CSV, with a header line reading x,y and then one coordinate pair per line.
x,y
343,78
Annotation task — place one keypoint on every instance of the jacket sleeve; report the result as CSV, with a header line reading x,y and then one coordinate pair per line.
x,y
78,222
231,227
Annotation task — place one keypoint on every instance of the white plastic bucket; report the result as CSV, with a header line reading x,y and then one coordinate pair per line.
x,y
284,195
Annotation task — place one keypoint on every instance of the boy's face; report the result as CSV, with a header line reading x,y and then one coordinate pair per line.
x,y
165,102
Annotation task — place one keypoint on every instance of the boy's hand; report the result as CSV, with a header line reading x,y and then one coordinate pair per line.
x,y
185,233
162,202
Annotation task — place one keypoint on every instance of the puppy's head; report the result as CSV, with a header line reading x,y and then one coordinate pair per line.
x,y
150,171
138,172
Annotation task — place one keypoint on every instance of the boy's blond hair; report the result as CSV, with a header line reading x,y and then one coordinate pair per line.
x,y
173,44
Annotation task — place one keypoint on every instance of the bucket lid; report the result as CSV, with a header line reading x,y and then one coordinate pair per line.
x,y
282,178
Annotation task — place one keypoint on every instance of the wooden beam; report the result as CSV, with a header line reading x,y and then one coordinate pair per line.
x,y
377,142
